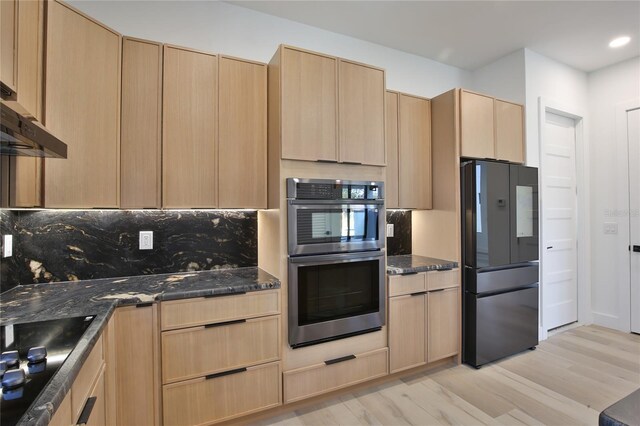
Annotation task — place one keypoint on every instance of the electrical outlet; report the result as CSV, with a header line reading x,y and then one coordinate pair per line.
x,y
389,230
611,228
7,245
146,240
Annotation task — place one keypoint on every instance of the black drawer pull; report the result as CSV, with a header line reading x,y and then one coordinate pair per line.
x,y
357,163
341,359
636,249
420,293
437,290
144,305
86,411
404,274
326,161
209,296
220,324
225,373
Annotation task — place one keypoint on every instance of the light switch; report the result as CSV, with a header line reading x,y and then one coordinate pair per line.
x,y
389,230
7,245
146,240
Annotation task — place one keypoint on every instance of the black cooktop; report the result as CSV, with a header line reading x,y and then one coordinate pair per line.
x,y
58,337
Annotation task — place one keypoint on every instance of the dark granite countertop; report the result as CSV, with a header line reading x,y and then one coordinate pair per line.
x,y
625,412
409,263
40,302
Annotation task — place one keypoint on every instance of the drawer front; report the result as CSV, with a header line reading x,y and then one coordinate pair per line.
x,y
322,378
406,284
62,416
201,311
443,279
195,352
82,386
201,401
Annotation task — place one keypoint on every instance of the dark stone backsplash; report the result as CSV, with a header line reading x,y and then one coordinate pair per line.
x,y
400,243
59,245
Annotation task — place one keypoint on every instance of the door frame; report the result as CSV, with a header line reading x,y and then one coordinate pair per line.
x,y
583,214
623,322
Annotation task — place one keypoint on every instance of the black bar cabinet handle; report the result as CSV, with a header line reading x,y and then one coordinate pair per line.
x,y
420,293
144,305
636,249
341,359
225,373
352,162
408,273
436,290
86,411
326,161
220,324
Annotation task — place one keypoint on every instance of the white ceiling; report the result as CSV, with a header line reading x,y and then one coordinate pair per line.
x,y
471,34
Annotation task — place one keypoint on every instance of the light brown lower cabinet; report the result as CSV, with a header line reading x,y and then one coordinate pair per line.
x,y
407,331
222,396
424,318
137,365
62,416
94,411
334,374
443,323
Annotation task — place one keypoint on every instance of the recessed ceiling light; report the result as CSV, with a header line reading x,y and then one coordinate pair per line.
x,y
619,41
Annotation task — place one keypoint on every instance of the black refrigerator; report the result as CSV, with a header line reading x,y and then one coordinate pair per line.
x,y
500,258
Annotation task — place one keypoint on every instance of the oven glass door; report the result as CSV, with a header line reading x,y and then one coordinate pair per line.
x,y
333,295
332,228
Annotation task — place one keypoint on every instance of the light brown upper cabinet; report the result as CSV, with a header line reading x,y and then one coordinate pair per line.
x,y
8,43
409,180
306,86
22,71
325,108
391,132
242,144
189,129
361,107
141,132
82,104
509,131
476,125
491,128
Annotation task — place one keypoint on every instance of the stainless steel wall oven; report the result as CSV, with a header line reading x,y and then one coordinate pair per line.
x,y
336,259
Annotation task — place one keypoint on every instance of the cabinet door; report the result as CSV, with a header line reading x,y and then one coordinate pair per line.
x,y
391,131
190,117
140,171
406,332
414,153
443,323
509,132
361,95
309,103
97,415
137,367
243,134
477,126
30,44
62,416
83,109
8,27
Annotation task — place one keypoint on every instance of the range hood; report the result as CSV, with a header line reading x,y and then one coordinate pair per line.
x,y
22,134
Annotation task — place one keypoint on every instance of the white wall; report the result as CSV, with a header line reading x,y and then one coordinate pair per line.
x,y
503,78
608,88
225,28
554,81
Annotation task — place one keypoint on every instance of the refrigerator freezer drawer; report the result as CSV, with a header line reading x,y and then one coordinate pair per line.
x,y
503,279
499,325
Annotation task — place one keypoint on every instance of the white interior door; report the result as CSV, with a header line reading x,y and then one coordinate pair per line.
x,y
633,138
559,222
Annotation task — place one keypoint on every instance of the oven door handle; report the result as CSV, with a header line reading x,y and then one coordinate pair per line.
x,y
336,203
337,257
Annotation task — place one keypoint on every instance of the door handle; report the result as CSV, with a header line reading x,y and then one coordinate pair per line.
x,y
635,249
86,411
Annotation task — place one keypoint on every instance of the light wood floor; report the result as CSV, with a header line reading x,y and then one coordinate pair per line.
x,y
568,380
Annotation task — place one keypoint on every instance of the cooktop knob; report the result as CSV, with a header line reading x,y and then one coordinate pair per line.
x,y
13,379
11,358
3,368
37,354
